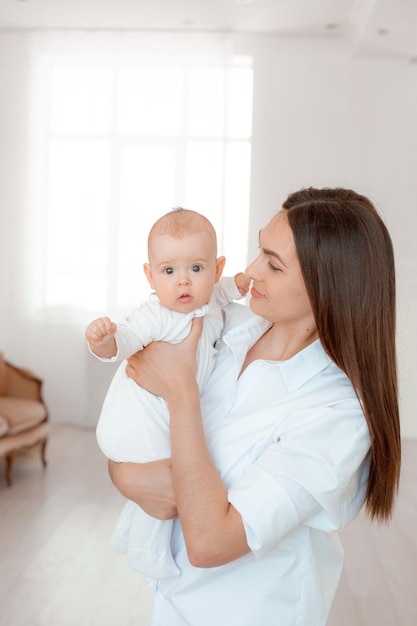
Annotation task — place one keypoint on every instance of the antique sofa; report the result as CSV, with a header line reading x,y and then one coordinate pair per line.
x,y
23,415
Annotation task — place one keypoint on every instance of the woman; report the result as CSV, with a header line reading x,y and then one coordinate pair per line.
x,y
301,424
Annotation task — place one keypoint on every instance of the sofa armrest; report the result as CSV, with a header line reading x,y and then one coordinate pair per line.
x,y
22,383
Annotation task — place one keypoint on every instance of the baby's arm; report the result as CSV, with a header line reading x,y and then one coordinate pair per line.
x,y
242,282
231,288
100,336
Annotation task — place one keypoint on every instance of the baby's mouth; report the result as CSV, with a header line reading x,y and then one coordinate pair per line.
x,y
184,298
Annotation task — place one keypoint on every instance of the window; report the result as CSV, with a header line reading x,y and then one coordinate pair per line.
x,y
125,141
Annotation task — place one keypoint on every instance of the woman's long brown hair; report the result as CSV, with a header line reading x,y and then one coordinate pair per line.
x,y
347,262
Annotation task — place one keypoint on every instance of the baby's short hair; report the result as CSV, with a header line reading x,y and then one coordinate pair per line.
x,y
181,222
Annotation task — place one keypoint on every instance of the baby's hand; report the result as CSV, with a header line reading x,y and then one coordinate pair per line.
x,y
100,330
242,283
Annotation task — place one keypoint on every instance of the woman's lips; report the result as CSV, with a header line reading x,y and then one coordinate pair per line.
x,y
256,294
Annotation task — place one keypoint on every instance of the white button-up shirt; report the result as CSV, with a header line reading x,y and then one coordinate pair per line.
x,y
291,443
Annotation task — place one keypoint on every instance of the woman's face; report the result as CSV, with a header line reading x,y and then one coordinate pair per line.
x,y
278,292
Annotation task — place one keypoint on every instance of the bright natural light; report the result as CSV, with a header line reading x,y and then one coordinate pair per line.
x,y
124,144
150,101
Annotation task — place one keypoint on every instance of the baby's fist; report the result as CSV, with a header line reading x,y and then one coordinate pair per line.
x,y
99,329
242,283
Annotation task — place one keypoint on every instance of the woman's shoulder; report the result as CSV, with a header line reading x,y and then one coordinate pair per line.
x,y
240,316
242,327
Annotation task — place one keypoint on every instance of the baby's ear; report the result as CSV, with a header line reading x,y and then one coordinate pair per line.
x,y
219,268
148,274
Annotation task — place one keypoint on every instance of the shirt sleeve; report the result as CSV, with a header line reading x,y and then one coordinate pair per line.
x,y
149,322
225,291
302,478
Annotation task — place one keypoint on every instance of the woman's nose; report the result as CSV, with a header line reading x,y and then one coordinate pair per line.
x,y
253,268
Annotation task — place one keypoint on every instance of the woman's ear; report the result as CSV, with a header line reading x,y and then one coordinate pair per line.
x,y
148,274
219,268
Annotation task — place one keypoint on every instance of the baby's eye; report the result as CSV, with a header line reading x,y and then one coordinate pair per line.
x,y
197,268
168,270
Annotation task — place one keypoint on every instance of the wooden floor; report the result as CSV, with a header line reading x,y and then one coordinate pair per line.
x,y
57,568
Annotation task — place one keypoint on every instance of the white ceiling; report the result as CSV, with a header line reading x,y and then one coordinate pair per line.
x,y
386,28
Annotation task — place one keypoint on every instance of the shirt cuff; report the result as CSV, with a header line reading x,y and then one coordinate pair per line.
x,y
102,358
267,511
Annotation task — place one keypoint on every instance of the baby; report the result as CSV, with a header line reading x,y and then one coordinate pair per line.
x,y
185,273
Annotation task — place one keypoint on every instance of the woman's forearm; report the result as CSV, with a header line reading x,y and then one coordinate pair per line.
x,y
147,484
213,529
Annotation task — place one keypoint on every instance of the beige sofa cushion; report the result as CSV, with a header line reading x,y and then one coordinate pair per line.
x,y
4,426
21,414
27,439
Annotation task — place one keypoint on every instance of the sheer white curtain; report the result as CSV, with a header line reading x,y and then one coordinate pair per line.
x,y
123,127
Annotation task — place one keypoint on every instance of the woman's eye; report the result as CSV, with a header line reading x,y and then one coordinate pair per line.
x,y
197,268
169,270
273,268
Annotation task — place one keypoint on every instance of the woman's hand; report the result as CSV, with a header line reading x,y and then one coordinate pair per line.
x,y
163,368
147,484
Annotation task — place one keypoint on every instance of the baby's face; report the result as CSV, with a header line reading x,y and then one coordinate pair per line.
x,y
183,271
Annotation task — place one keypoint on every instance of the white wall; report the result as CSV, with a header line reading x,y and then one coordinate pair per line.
x,y
321,117
13,132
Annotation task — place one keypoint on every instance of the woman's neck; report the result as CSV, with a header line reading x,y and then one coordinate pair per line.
x,y
278,344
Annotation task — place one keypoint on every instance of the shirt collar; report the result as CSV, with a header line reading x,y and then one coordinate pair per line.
x,y
297,370
246,334
304,365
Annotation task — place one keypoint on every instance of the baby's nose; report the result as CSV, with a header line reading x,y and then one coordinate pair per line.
x,y
184,279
